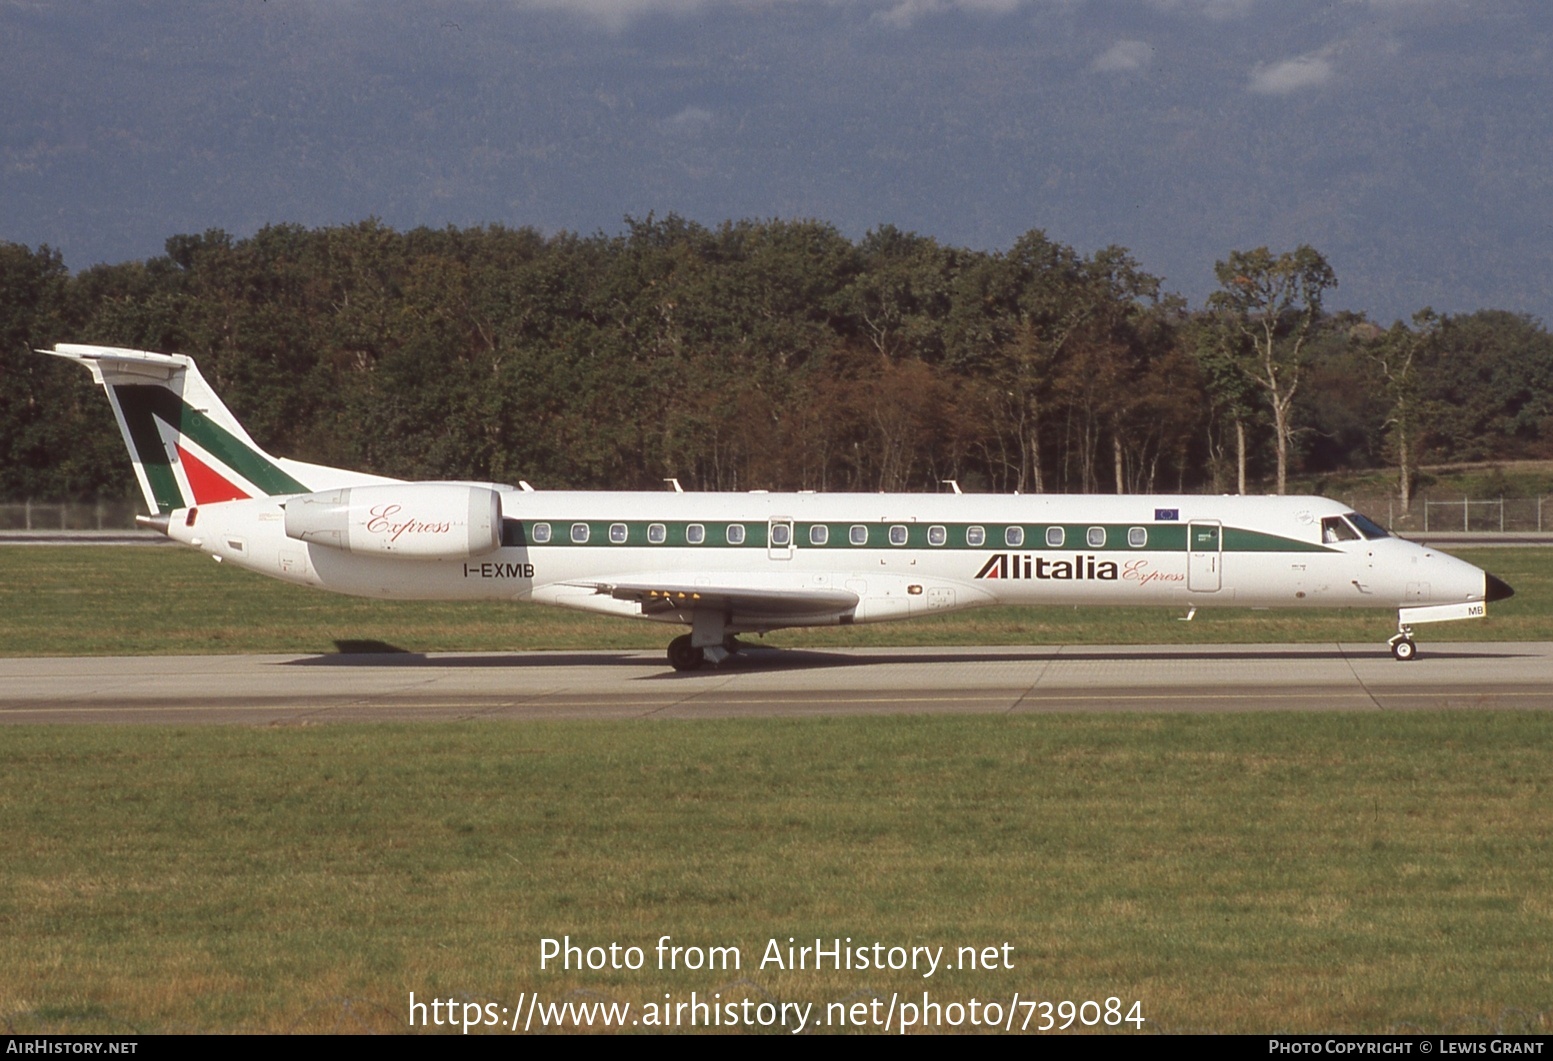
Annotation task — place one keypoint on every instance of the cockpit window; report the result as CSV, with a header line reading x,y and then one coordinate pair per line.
x,y
1367,527
1336,529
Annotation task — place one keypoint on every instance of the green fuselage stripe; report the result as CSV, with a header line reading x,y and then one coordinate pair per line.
x,y
1027,537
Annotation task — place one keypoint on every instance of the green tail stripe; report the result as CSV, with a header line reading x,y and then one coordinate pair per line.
x,y
141,402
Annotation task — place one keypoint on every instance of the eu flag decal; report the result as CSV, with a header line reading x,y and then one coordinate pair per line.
x,y
1167,513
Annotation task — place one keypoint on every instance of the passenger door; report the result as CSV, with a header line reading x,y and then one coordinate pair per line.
x,y
1205,551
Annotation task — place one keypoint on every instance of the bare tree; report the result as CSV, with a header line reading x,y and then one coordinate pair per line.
x,y
1273,304
1397,354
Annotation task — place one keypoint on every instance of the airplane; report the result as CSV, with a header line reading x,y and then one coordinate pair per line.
x,y
724,564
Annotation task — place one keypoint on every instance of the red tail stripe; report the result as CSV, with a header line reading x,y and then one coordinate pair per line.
x,y
209,485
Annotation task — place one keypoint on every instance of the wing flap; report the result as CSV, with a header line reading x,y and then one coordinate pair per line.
x,y
743,603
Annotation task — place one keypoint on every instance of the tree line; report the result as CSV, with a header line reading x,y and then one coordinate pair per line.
x,y
761,355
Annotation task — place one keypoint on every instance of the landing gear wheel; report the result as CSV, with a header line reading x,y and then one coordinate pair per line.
x,y
1404,649
683,655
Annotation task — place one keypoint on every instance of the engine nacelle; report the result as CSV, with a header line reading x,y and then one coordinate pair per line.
x,y
418,521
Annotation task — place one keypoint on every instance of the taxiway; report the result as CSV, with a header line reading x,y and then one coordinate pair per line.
x,y
299,689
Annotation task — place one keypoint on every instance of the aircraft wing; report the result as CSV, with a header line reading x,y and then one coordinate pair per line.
x,y
741,603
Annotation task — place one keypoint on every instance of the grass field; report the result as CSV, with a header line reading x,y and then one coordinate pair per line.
x,y
1482,479
121,601
1232,873
1241,874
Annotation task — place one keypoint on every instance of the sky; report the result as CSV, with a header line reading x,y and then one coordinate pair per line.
x,y
1409,141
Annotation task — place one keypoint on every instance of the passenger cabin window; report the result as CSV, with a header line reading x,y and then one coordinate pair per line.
x,y
1055,536
897,535
1095,536
657,533
819,534
618,533
1137,537
1336,529
735,534
975,536
541,533
937,536
695,534
781,535
580,533
1367,527
1014,537
858,535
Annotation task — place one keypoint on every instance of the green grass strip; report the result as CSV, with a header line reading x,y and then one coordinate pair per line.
x,y
1242,873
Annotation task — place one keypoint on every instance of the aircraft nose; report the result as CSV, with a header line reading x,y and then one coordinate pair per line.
x,y
1496,589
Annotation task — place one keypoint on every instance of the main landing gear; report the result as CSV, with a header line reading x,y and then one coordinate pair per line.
x,y
1402,646
684,656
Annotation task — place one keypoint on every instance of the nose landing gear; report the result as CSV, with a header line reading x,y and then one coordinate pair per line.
x,y
1402,646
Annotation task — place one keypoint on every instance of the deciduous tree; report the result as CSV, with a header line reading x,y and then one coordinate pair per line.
x,y
1270,305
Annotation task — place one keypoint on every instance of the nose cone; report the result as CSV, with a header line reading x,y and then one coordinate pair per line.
x,y
1496,589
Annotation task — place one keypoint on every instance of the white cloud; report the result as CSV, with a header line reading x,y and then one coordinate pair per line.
x,y
1292,75
1217,10
690,121
1410,5
617,14
614,14
1123,56
905,13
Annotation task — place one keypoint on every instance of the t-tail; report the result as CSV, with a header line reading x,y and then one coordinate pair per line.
x,y
187,447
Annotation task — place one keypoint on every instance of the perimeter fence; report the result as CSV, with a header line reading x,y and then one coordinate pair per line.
x,y
1479,515
69,515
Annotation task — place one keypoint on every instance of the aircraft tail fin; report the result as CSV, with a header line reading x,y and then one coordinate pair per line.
x,y
187,447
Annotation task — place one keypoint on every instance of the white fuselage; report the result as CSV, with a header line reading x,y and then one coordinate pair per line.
x,y
900,555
